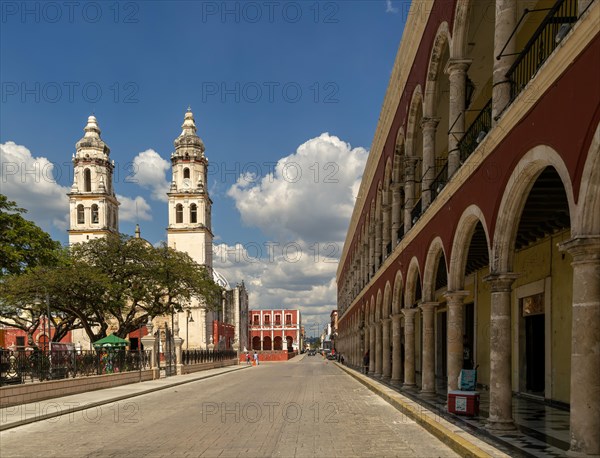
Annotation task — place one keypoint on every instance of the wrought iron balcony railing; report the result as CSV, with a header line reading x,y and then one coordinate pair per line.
x,y
542,44
476,132
415,213
440,180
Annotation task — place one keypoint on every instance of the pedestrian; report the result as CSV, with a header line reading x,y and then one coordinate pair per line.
x,y
342,359
366,361
256,358
248,362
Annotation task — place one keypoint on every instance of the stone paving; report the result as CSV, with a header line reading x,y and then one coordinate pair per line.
x,y
305,408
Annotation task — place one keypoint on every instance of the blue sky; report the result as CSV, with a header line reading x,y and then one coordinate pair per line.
x,y
262,80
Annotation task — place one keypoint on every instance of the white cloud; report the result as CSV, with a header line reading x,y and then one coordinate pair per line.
x,y
309,196
31,182
149,171
134,209
389,7
282,276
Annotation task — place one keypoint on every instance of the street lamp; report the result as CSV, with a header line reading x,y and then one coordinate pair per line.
x,y
189,319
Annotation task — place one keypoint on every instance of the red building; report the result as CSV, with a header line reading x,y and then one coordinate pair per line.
x,y
275,329
13,338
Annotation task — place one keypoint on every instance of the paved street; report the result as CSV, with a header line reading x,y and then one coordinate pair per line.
x,y
278,409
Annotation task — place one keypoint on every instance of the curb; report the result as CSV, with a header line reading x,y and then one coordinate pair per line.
x,y
15,424
455,441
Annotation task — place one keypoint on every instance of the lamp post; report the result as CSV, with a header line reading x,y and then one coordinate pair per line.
x,y
189,319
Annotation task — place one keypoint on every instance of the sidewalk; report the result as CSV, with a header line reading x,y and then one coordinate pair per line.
x,y
11,417
453,436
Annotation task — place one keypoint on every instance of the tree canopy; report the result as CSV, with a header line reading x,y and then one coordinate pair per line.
x,y
23,245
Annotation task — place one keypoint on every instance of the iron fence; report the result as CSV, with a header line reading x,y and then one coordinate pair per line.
x,y
21,366
440,180
207,356
542,44
476,132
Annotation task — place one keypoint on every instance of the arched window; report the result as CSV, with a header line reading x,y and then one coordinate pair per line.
x,y
186,173
80,214
193,213
95,218
179,213
87,180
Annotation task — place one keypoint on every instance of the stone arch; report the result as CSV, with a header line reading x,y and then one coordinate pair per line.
x,y
397,294
588,204
378,306
413,276
514,197
460,28
412,126
387,301
434,70
398,162
460,245
435,251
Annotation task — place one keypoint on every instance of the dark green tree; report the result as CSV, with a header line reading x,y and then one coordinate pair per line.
x,y
23,245
143,282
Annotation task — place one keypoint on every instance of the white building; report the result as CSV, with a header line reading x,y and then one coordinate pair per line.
x,y
94,213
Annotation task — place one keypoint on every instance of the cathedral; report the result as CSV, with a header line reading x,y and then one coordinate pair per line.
x,y
94,212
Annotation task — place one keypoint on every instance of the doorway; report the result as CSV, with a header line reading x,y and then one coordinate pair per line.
x,y
533,345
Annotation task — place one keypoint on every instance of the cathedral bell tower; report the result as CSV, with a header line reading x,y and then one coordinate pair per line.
x,y
92,201
189,203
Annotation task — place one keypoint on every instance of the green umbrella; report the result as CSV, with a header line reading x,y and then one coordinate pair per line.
x,y
111,341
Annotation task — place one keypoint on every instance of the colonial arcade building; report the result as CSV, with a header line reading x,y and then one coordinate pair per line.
x,y
477,223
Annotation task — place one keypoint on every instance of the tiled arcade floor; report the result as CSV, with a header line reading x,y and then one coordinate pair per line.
x,y
542,430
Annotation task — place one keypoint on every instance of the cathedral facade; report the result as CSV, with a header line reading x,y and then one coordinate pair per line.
x,y
94,212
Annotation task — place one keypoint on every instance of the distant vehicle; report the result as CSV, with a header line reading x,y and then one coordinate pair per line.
x,y
312,352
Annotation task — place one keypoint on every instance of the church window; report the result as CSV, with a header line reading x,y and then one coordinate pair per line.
x,y
186,173
95,217
193,213
179,213
80,214
87,180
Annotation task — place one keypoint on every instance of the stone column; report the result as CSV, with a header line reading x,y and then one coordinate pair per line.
x,y
506,20
365,278
429,126
428,375
585,347
372,349
500,351
385,341
178,362
454,336
378,350
396,208
362,348
409,345
409,190
457,74
396,360
378,257
371,250
387,225
149,342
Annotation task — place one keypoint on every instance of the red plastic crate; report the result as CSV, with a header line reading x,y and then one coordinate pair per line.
x,y
463,403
